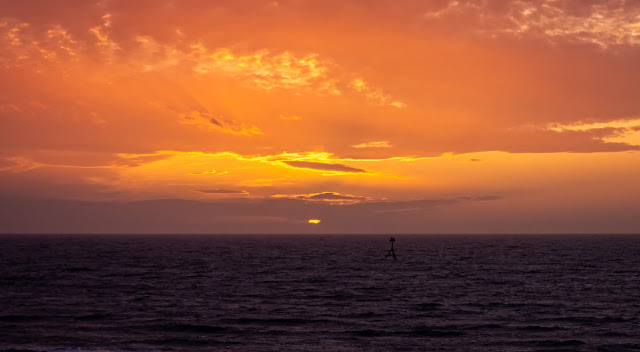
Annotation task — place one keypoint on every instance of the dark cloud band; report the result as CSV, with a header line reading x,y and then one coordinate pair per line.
x,y
323,166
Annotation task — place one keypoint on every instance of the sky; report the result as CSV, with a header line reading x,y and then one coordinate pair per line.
x,y
300,116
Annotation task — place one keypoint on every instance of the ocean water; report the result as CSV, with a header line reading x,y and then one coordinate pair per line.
x,y
319,293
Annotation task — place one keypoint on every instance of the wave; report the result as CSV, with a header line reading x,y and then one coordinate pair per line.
x,y
191,328
20,318
275,321
425,331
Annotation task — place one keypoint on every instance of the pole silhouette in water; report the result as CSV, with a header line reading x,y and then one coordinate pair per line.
x,y
391,251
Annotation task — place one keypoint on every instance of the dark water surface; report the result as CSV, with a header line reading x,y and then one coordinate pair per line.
x,y
319,293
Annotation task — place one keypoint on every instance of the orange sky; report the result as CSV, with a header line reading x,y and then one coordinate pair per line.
x,y
370,116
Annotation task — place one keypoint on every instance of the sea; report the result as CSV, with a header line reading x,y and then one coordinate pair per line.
x,y
106,293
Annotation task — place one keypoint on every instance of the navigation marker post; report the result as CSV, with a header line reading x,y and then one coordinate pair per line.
x,y
391,251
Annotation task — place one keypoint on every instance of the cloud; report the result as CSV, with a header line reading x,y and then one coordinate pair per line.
x,y
486,198
377,144
220,191
260,69
266,70
18,164
209,121
374,94
384,206
208,71
453,7
601,22
330,197
322,166
406,206
208,172
131,160
6,164
623,131
587,126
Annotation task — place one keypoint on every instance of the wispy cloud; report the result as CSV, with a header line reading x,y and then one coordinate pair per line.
x,y
267,70
323,166
375,95
377,144
617,131
603,23
221,191
261,69
17,164
209,121
586,126
487,198
330,197
208,172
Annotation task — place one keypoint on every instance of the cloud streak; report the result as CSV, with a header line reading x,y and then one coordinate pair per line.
x,y
330,197
209,121
220,191
323,166
377,144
